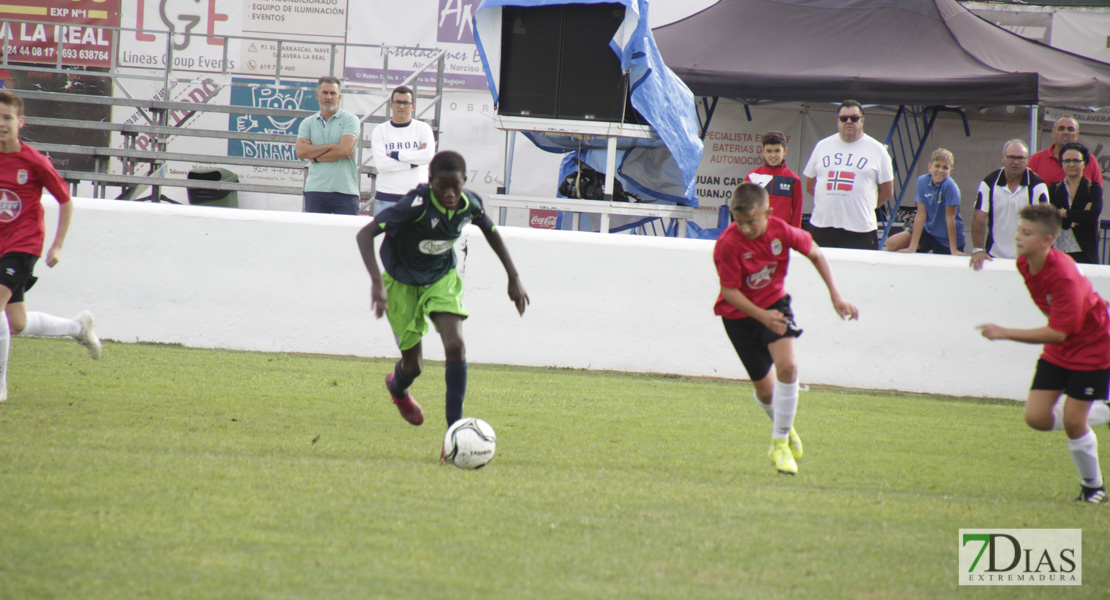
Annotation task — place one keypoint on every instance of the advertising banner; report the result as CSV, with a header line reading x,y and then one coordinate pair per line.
x,y
424,28
77,24
302,54
196,42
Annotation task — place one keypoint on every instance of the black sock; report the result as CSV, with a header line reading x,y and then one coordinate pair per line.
x,y
400,383
455,377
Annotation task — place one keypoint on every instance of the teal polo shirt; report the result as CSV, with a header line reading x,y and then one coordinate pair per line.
x,y
339,176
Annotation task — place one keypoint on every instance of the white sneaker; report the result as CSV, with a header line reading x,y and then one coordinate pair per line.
x,y
3,393
87,337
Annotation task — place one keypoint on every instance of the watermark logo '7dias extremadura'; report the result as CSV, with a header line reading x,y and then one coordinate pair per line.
x,y
1021,557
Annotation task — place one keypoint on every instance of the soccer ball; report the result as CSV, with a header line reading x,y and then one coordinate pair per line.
x,y
469,443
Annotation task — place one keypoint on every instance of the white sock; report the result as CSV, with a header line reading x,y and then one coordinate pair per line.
x,y
44,325
5,347
1058,416
784,403
766,407
1084,453
1099,415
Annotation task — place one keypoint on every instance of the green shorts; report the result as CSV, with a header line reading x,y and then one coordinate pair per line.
x,y
410,305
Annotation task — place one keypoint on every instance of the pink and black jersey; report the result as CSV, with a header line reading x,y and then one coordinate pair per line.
x,y
784,188
756,267
1073,307
23,175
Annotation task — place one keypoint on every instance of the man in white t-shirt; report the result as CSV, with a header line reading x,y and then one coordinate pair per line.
x,y
402,147
849,175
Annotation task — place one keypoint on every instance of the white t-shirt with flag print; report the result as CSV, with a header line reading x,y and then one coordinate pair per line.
x,y
847,182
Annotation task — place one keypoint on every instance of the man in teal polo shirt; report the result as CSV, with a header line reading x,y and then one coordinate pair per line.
x,y
327,139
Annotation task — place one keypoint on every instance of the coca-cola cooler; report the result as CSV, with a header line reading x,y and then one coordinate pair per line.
x,y
539,218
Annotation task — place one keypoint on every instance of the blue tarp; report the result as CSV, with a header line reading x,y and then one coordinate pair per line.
x,y
657,93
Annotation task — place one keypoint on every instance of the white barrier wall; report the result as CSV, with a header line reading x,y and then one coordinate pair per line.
x,y
292,282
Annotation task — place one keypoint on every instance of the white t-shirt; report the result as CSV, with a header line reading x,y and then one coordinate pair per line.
x,y
401,164
847,182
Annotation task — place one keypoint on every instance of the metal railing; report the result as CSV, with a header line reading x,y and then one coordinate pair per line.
x,y
153,114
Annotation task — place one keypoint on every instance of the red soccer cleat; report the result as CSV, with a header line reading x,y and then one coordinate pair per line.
x,y
407,406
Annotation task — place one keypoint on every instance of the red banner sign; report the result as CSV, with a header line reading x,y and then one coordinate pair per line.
x,y
77,24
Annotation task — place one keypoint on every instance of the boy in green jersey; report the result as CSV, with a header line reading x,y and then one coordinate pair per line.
x,y
419,280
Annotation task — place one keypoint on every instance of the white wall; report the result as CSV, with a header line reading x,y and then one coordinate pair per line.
x,y
292,282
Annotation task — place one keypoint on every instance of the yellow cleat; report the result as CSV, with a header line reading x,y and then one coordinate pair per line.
x,y
783,459
795,443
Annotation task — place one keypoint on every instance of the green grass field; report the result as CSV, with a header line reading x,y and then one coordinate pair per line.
x,y
168,472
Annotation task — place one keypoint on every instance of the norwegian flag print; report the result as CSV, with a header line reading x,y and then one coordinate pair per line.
x,y
840,181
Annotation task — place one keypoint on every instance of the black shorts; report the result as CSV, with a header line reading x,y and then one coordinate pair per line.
x,y
928,244
17,273
750,338
1081,385
835,237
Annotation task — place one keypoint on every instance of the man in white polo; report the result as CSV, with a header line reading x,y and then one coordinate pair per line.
x,y
402,147
849,175
327,140
1001,196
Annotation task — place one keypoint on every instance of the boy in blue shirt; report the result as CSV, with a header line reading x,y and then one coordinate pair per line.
x,y
937,225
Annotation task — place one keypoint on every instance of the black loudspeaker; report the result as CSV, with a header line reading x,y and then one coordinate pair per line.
x,y
556,63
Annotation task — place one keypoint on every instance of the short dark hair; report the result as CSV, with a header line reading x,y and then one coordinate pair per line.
x,y
1045,216
13,101
849,103
329,79
1080,148
402,89
747,196
446,161
774,137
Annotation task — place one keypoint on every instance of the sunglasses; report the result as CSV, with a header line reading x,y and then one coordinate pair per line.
x,y
852,118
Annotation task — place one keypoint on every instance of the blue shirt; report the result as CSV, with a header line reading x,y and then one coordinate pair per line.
x,y
936,197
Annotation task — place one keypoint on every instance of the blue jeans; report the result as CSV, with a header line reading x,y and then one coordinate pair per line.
x,y
331,203
383,201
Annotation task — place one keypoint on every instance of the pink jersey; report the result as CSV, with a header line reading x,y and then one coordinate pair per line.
x,y
1073,307
756,267
23,175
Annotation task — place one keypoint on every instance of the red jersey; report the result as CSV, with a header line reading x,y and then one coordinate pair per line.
x,y
23,175
1073,307
756,267
785,189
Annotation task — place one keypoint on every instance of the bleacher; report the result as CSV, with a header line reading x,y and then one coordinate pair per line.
x,y
126,170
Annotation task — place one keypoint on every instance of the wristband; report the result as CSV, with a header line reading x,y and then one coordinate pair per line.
x,y
974,250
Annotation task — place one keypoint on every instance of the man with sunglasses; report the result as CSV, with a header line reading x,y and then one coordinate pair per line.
x,y
403,147
849,175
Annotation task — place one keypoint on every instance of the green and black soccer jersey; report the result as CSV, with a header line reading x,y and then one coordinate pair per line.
x,y
420,234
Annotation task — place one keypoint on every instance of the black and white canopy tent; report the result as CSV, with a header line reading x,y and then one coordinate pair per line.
x,y
924,56
895,52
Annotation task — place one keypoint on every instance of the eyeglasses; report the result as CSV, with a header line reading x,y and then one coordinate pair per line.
x,y
401,103
1016,158
1072,161
852,118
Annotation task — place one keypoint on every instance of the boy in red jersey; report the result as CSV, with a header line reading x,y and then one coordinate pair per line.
x,y
752,256
783,185
23,174
1075,362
